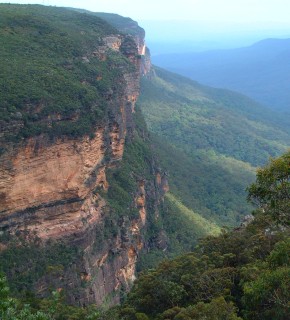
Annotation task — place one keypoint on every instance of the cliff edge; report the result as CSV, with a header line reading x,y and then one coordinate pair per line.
x,y
69,219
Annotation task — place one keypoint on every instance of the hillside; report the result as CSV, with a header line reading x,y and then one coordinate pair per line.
x,y
68,140
260,71
82,193
210,141
123,24
41,93
241,274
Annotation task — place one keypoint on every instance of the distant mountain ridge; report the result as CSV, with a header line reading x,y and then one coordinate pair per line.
x,y
260,71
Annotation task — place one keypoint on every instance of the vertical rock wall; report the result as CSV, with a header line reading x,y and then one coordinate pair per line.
x,y
54,191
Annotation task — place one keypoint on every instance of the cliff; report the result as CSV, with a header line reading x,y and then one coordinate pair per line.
x,y
79,186
131,27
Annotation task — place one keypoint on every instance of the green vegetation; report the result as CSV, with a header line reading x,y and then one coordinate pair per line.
x,y
183,226
202,225
209,184
210,141
242,274
46,309
25,262
233,270
124,24
179,225
272,189
51,82
9,310
260,71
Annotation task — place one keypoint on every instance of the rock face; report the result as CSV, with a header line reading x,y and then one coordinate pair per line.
x,y
40,178
128,26
146,62
55,191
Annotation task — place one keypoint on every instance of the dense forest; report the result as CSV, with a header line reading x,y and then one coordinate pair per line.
x,y
46,76
210,141
242,274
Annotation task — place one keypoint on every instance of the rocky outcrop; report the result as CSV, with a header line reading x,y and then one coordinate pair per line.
x,y
130,27
146,67
46,188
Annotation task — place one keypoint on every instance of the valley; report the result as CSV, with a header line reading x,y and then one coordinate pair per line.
x,y
128,192
211,141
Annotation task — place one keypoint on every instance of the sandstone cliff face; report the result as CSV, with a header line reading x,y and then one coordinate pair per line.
x,y
55,191
40,173
128,26
39,180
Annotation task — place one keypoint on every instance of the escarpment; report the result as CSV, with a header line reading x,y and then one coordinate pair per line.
x,y
79,185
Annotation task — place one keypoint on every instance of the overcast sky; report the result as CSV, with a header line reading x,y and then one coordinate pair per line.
x,y
219,23
246,11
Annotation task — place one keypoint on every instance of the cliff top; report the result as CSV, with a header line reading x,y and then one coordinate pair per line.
x,y
60,68
123,24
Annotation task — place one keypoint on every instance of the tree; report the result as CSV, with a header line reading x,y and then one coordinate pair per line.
x,y
215,310
10,308
268,297
271,191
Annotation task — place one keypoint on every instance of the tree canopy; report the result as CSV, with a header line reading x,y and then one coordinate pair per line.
x,y
271,191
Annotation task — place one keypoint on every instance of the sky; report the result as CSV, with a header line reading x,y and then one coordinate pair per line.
x,y
198,20
246,11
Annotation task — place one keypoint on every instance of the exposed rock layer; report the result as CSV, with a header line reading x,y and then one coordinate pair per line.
x,y
52,190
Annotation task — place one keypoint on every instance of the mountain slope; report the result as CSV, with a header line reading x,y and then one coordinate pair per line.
x,y
69,137
210,141
241,274
260,71
81,190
